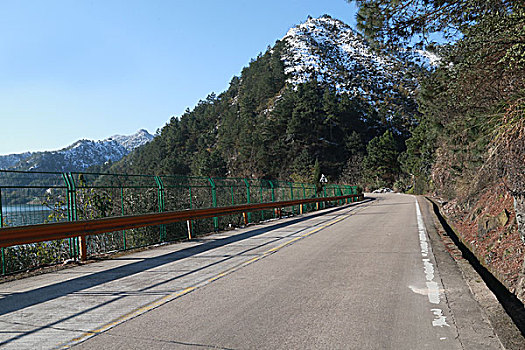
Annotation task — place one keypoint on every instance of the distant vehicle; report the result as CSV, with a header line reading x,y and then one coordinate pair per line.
x,y
383,190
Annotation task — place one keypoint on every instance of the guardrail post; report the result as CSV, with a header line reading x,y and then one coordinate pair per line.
x,y
247,216
188,224
160,193
301,208
214,202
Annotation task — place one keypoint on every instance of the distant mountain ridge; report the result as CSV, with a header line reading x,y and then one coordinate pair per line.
x,y
78,156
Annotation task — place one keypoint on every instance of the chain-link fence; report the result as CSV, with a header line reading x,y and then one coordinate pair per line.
x,y
28,198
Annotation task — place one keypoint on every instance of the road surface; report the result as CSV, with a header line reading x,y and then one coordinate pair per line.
x,y
358,277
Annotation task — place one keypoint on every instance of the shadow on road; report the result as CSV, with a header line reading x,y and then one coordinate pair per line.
x,y
17,301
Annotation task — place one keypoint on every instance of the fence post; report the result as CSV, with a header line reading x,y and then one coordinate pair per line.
x,y
291,196
214,202
248,216
69,215
122,211
273,195
2,225
317,204
160,193
191,228
262,201
80,244
283,196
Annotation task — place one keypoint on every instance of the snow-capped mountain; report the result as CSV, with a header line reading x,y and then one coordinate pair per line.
x,y
79,156
331,52
130,142
11,160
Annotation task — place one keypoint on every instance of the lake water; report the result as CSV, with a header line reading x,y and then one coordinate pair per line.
x,y
24,214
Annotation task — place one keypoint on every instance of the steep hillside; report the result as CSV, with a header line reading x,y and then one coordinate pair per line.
x,y
319,94
11,160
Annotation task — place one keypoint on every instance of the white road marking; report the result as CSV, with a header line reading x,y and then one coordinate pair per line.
x,y
440,320
432,290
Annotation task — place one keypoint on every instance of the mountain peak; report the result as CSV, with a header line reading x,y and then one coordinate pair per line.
x,y
330,52
130,142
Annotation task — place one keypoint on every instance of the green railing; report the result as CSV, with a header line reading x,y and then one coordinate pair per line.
x,y
41,197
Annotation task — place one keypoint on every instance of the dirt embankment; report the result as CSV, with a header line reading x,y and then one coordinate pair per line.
x,y
489,228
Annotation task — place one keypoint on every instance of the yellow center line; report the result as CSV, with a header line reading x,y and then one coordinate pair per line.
x,y
161,301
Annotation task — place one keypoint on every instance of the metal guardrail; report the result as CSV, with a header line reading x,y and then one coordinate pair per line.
x,y
30,198
10,236
44,232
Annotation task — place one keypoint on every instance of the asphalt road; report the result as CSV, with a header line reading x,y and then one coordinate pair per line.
x,y
366,278
70,305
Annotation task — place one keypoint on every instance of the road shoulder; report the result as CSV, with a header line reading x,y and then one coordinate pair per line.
x,y
479,318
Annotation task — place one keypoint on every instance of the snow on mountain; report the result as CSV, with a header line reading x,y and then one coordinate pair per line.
x,y
130,142
11,160
331,52
79,156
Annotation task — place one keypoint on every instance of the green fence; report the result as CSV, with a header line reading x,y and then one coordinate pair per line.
x,y
41,197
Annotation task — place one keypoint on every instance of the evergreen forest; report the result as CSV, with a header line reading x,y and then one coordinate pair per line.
x,y
264,127
459,132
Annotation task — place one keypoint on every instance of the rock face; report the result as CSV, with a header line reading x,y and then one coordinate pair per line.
x,y
519,207
488,227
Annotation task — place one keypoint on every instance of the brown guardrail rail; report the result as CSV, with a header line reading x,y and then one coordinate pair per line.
x,y
10,236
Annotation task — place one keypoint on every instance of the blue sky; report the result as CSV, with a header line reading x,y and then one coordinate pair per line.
x,y
78,69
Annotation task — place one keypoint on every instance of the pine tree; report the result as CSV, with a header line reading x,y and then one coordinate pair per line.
x,y
381,164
